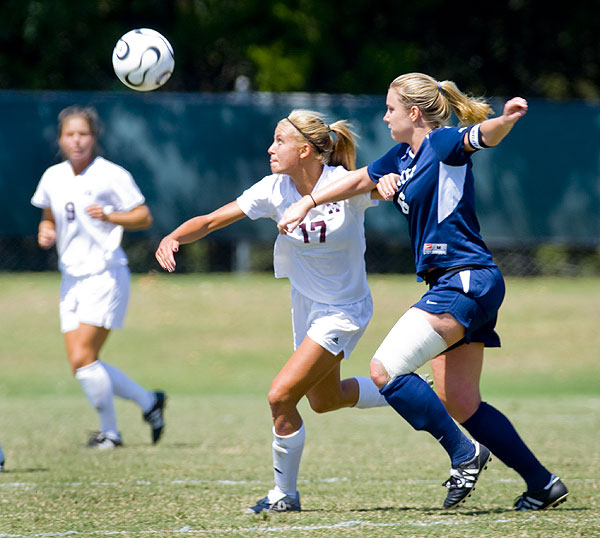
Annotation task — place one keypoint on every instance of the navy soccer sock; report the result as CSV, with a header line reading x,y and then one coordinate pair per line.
x,y
491,428
415,401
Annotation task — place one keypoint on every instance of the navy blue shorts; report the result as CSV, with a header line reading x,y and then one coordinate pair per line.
x,y
473,297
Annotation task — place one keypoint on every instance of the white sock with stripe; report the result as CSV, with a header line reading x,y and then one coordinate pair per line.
x,y
287,452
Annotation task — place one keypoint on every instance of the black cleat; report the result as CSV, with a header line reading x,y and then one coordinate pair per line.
x,y
553,494
464,476
155,417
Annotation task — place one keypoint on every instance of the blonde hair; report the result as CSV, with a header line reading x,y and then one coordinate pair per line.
x,y
438,99
89,114
311,127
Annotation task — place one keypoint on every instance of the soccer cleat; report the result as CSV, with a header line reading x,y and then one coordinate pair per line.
x,y
553,494
276,502
155,417
100,441
1,466
464,476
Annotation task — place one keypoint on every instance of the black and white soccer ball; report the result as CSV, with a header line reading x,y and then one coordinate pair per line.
x,y
143,59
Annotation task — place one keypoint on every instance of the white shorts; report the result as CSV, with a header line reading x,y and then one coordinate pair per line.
x,y
99,300
337,328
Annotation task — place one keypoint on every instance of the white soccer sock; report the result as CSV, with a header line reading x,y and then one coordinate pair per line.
x,y
368,394
287,451
125,387
97,387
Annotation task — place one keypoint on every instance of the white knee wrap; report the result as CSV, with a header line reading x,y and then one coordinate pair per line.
x,y
409,345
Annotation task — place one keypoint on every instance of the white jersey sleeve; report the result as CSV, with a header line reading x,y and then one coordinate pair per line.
x,y
41,197
85,245
262,199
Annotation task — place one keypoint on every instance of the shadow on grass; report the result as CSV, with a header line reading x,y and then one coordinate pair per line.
x,y
145,445
12,470
462,511
432,510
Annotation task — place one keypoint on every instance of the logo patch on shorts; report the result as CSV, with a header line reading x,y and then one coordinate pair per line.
x,y
435,248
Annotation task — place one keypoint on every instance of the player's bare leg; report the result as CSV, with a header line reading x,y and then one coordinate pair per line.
x,y
309,365
83,344
306,368
456,375
332,393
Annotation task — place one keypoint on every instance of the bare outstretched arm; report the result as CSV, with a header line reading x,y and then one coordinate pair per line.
x,y
138,218
493,130
193,229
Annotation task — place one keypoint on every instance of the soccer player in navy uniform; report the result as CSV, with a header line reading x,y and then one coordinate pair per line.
x,y
429,177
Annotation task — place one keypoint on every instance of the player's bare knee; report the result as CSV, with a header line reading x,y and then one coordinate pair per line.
x,y
80,357
461,408
378,373
279,398
274,398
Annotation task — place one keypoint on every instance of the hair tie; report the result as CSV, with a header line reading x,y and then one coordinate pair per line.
x,y
441,90
333,136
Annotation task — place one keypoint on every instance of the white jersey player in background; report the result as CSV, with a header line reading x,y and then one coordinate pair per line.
x,y
324,261
87,201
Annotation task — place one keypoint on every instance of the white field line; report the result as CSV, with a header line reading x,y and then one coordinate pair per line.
x,y
291,528
190,482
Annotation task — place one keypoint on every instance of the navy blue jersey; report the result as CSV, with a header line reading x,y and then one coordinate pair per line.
x,y
436,194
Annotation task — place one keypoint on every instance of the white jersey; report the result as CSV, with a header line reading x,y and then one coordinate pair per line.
x,y
87,246
324,256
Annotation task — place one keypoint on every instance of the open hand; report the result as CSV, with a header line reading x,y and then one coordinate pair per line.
x,y
165,253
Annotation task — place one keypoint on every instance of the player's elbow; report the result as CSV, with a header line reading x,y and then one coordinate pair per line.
x,y
147,221
144,218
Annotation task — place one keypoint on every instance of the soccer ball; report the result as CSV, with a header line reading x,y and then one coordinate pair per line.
x,y
143,59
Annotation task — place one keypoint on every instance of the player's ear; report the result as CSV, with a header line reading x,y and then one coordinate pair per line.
x,y
305,150
415,113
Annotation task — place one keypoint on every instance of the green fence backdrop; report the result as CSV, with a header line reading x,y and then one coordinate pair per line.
x,y
191,153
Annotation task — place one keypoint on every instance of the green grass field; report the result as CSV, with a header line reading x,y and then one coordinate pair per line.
x,y
214,343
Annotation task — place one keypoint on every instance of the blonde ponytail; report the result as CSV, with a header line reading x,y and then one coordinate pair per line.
x,y
438,99
335,144
344,147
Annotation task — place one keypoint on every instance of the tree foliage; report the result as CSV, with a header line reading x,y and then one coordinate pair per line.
x,y
494,48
